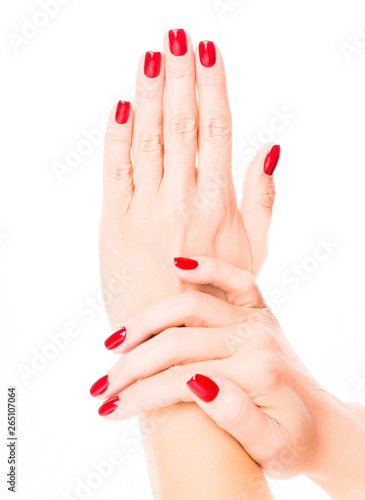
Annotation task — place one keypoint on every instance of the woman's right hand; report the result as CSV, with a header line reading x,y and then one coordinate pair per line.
x,y
245,376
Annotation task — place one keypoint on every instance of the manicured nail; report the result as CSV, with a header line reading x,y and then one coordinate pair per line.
x,y
152,64
109,406
115,339
203,387
207,53
122,112
100,386
178,42
271,160
186,264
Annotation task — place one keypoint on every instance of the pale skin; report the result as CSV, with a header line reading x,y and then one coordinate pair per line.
x,y
161,206
267,399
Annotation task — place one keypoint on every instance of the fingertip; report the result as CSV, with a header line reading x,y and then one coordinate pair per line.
x,y
259,180
109,406
115,339
272,159
203,387
185,263
120,122
100,386
177,42
122,112
207,53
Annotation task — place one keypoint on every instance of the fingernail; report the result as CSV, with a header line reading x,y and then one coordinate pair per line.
x,y
178,43
186,264
115,339
152,64
109,406
271,160
100,386
122,112
203,387
207,53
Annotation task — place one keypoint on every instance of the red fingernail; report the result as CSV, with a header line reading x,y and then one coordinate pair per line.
x,y
122,112
152,64
115,339
207,54
100,386
271,160
186,264
178,42
109,406
203,387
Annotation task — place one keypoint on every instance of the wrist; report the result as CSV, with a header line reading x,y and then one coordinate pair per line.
x,y
339,468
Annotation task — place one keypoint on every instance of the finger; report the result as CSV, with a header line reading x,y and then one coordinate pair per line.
x,y
234,411
215,124
192,308
258,200
147,133
164,389
180,114
180,346
239,285
118,168
174,346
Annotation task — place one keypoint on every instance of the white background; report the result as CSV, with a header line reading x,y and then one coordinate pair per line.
x,y
278,54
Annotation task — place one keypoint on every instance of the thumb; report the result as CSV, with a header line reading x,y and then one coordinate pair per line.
x,y
258,200
233,410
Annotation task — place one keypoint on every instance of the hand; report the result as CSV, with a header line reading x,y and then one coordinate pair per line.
x,y
234,361
162,205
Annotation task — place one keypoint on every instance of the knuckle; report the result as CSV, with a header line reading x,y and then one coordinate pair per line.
x,y
172,339
216,84
270,371
215,266
175,376
216,129
267,458
125,367
194,302
116,143
233,415
120,169
182,72
269,340
247,282
183,126
134,394
147,91
148,145
267,196
117,159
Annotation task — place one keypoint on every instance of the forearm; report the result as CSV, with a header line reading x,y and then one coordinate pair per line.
x,y
342,472
189,456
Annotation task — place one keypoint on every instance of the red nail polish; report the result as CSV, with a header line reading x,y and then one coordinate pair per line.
x,y
203,387
152,64
122,112
100,386
178,42
109,406
271,160
115,339
207,54
186,264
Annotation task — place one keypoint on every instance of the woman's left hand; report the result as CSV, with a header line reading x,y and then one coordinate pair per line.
x,y
233,359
